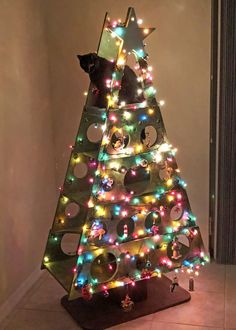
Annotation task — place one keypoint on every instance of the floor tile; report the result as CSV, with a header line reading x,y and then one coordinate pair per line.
x,y
211,279
230,312
230,297
142,323
204,309
46,296
41,320
230,280
176,326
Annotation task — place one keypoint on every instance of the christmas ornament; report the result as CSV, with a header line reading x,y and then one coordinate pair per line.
x,y
176,247
175,282
191,284
86,294
127,304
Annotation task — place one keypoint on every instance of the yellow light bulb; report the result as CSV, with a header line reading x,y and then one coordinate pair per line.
x,y
170,198
140,232
100,211
139,148
46,259
65,199
105,140
90,203
77,160
127,115
120,61
111,102
163,246
169,182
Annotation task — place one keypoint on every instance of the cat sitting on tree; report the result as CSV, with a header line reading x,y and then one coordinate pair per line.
x,y
100,70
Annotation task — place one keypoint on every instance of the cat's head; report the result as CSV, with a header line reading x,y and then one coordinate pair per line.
x,y
89,62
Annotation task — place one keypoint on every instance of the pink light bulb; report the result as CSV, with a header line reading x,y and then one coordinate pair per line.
x,y
179,196
113,118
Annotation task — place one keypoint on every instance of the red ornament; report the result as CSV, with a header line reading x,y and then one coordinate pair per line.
x,y
86,294
125,230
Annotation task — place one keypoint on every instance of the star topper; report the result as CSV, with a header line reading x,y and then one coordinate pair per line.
x,y
131,34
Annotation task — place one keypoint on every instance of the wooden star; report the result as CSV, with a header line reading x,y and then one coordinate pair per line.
x,y
131,34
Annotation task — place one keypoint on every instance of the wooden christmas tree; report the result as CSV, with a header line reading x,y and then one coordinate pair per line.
x,y
133,215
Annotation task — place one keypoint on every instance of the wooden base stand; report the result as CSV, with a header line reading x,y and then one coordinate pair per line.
x,y
149,296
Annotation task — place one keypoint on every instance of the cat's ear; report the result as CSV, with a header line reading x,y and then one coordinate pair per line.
x,y
79,56
94,56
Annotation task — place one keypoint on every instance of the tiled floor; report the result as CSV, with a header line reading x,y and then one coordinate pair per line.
x,y
213,306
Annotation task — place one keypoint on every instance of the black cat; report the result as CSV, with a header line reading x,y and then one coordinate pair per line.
x,y
100,70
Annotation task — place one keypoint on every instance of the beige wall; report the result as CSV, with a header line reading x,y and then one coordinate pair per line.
x,y
180,53
40,108
27,175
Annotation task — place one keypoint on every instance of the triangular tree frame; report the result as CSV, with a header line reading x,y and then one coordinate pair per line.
x,y
140,228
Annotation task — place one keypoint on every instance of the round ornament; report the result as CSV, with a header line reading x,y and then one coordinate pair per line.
x,y
97,231
165,171
176,212
125,227
119,140
107,184
148,136
153,221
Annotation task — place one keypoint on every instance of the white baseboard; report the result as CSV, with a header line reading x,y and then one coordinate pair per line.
x,y
7,306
